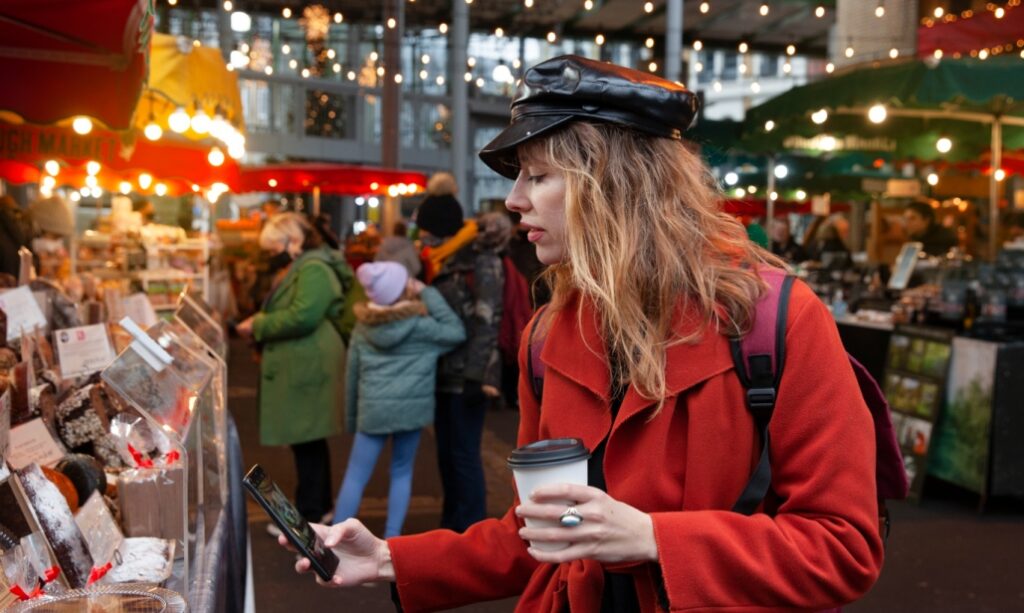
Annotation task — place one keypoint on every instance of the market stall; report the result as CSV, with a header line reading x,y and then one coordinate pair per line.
x,y
119,464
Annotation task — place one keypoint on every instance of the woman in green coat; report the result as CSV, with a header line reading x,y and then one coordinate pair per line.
x,y
302,354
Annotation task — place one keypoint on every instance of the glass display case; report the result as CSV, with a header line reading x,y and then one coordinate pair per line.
x,y
167,388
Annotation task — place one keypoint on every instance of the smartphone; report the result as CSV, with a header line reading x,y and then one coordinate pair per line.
x,y
287,518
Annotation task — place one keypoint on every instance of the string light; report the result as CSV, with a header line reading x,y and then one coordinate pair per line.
x,y
791,50
528,4
1000,174
160,189
588,5
124,187
697,45
877,113
894,53
717,85
338,18
649,43
849,52
820,116
178,121
552,37
52,167
286,49
944,145
228,6
819,12
286,13
744,47
499,32
769,125
999,12
764,9
648,7
880,9
933,179
215,157
705,7
471,61
599,39
937,54
443,28
939,12
392,22
653,66
755,87
145,180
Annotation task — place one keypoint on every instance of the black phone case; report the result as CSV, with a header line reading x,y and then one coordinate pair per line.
x,y
253,487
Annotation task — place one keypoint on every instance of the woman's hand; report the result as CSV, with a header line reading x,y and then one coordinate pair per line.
x,y
362,557
490,391
611,531
244,329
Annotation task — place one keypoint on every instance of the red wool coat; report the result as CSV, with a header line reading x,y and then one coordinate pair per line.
x,y
819,549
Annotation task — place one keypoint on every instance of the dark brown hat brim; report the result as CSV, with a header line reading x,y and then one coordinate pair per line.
x,y
500,154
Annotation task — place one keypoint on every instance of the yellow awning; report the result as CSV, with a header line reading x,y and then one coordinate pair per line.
x,y
194,79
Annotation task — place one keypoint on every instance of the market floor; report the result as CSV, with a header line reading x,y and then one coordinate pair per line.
x,y
942,555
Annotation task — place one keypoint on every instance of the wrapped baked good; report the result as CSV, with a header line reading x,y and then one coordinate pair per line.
x,y
144,560
150,502
77,420
64,486
54,517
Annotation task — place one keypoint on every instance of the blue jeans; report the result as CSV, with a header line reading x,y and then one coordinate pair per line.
x,y
365,451
459,425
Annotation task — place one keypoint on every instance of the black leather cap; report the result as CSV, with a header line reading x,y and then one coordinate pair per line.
x,y
569,87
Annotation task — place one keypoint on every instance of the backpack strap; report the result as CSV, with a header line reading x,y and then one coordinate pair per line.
x,y
535,373
759,358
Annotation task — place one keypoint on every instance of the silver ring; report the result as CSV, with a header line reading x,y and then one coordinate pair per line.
x,y
571,518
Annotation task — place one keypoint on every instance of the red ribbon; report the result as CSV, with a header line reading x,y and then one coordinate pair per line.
x,y
51,573
20,593
172,457
98,572
140,461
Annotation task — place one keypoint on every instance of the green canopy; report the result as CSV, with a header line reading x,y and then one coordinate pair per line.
x,y
977,104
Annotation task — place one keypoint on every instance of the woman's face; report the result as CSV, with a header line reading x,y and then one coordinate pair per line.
x,y
539,196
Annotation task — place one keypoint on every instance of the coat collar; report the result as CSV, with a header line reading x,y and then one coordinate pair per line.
x,y
574,348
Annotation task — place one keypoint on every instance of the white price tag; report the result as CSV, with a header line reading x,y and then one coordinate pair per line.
x,y
23,312
83,350
32,442
140,309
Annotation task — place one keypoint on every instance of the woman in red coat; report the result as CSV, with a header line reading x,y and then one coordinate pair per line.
x,y
649,279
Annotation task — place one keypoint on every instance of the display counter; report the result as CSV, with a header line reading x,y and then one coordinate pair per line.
x,y
119,460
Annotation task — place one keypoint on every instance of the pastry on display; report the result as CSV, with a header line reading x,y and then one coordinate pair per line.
x,y
143,560
64,485
151,502
77,420
85,473
54,517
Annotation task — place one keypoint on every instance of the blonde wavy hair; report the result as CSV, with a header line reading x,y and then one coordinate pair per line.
x,y
645,233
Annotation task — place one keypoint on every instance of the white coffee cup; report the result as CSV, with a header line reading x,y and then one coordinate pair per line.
x,y
559,460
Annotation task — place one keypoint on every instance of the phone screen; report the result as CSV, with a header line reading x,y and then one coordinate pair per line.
x,y
287,517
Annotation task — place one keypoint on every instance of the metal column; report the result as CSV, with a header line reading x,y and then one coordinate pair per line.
x,y
391,93
458,41
769,207
993,188
673,40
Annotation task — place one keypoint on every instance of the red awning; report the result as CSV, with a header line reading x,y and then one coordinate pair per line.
x,y
178,165
758,207
982,30
62,58
344,179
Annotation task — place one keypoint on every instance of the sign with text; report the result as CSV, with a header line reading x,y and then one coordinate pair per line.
x,y
23,312
83,350
32,442
140,309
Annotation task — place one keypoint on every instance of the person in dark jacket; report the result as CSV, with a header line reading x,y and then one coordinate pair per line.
x,y
919,219
392,369
461,259
15,232
783,243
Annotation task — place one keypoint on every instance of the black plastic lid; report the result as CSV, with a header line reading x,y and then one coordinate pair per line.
x,y
548,453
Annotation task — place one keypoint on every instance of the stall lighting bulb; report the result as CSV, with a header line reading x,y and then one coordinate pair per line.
x,y
160,189
82,125
124,187
944,145
92,167
215,157
200,122
153,131
52,167
877,113
178,121
145,180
